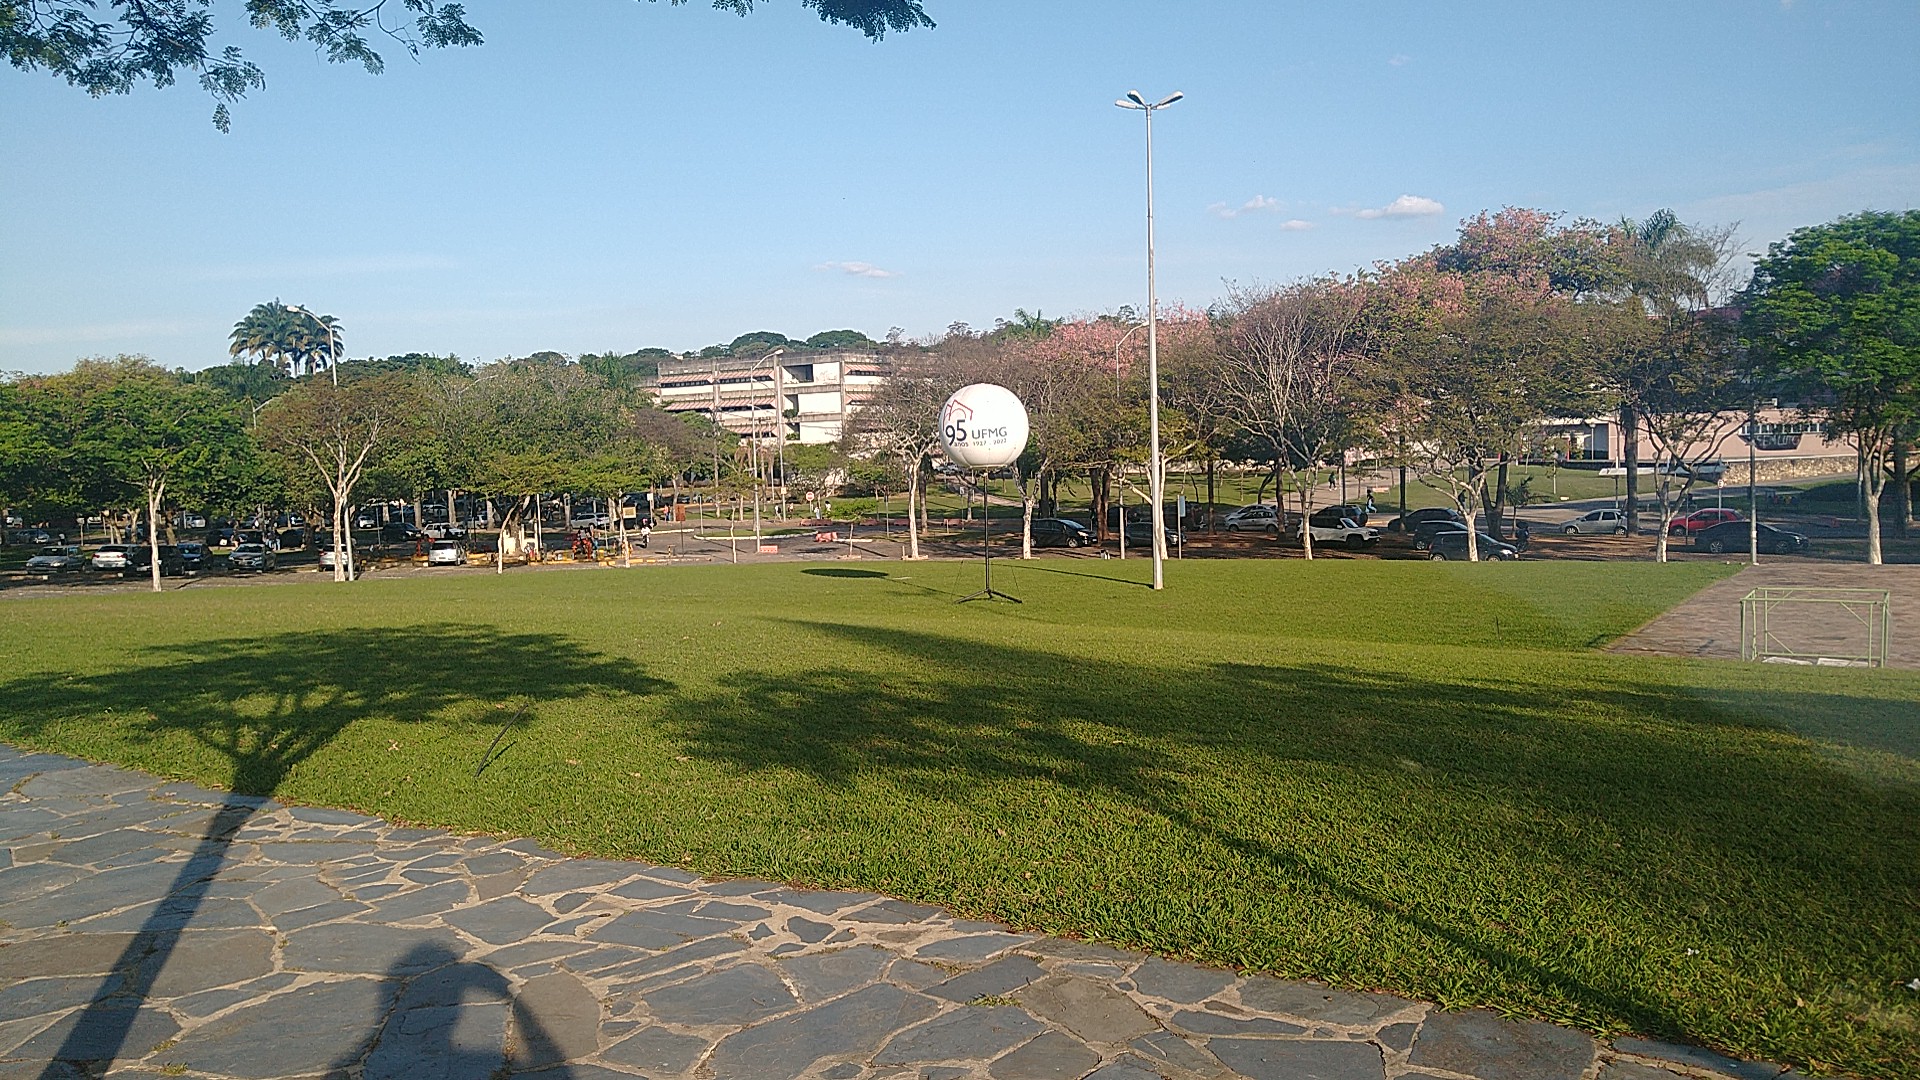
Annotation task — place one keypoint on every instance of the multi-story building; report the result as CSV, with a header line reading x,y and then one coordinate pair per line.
x,y
1786,445
808,395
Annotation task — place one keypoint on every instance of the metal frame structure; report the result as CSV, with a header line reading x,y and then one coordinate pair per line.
x,y
1871,608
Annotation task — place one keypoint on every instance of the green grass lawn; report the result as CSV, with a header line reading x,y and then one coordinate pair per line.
x,y
1407,776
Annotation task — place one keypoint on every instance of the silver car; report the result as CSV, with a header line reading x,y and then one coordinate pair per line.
x,y
1257,518
1598,521
446,553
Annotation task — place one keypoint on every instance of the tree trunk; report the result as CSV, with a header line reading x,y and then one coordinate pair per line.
x,y
913,528
1100,495
1902,485
1496,506
154,492
1630,453
1029,495
1211,516
1306,512
1873,468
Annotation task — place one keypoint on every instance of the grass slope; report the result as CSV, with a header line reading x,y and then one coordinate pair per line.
x,y
1409,776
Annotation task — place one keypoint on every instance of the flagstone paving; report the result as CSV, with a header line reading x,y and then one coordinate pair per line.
x,y
157,929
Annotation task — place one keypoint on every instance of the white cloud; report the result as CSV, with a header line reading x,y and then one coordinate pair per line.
x,y
1404,206
1398,59
1255,205
858,269
1296,225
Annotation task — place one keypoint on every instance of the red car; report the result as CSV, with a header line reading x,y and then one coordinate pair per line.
x,y
1702,519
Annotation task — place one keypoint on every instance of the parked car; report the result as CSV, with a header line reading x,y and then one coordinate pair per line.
x,y
1332,515
1407,522
1701,520
57,559
1260,517
1061,532
252,557
1424,532
1453,545
188,519
120,557
1341,531
292,538
1733,536
171,564
1598,521
399,532
1140,534
193,558
326,557
446,553
221,537
444,531
264,537
29,537
366,519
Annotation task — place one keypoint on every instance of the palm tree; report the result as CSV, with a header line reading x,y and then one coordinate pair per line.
x,y
265,334
312,340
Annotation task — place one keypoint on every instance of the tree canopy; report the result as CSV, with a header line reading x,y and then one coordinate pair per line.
x,y
158,43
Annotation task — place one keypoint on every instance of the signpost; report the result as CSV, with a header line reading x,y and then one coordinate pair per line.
x,y
984,427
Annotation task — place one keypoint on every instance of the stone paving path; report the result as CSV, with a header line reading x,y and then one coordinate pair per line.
x,y
155,929
1708,623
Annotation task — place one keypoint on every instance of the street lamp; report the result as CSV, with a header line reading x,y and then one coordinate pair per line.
x,y
756,443
333,341
1156,478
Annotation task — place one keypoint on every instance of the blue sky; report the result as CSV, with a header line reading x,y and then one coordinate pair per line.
x,y
605,174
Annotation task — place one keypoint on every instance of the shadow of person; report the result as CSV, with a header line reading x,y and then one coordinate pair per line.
x,y
454,1020
450,1022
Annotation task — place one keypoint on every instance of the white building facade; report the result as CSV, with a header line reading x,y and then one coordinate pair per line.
x,y
805,395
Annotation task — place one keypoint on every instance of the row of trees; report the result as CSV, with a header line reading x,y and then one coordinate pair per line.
x,y
1449,363
1453,362
126,435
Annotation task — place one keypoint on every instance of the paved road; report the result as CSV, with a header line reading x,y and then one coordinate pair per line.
x,y
176,931
1708,623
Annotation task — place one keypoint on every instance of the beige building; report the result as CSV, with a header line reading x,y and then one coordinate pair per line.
x,y
1786,446
808,394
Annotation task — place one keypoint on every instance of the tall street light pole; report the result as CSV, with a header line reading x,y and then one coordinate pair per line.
x,y
1156,468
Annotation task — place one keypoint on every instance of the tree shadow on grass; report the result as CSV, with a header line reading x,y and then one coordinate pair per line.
x,y
1533,846
263,706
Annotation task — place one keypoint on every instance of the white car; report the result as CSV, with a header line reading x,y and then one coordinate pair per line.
x,y
1598,521
113,557
446,553
1259,517
1346,532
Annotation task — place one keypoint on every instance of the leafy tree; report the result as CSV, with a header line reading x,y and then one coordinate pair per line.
x,y
1290,364
27,456
841,339
132,430
902,420
252,383
159,42
625,371
336,430
1482,374
759,341
1834,310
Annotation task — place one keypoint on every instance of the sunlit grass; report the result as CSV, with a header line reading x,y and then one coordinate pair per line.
x,y
1407,776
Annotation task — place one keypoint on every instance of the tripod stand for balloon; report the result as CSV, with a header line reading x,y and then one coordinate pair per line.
x,y
987,591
